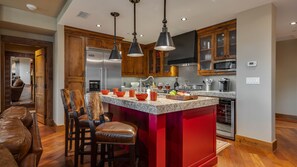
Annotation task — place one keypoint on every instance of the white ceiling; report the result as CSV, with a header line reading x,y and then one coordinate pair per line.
x,y
46,7
200,14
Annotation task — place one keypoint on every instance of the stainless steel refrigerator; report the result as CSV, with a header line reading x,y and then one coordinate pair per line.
x,y
101,73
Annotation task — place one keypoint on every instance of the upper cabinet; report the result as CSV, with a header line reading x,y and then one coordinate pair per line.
x,y
216,43
132,66
157,63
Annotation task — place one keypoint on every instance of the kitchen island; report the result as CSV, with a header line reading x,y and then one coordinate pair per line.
x,y
170,132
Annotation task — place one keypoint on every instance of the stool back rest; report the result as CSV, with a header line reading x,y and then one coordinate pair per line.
x,y
77,102
94,106
65,95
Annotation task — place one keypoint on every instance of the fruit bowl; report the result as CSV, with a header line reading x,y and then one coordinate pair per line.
x,y
120,94
105,91
141,96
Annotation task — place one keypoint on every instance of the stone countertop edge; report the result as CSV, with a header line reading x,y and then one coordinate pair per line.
x,y
231,94
161,106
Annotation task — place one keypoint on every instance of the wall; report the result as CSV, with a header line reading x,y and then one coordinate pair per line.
x,y
255,103
286,77
188,74
24,69
58,78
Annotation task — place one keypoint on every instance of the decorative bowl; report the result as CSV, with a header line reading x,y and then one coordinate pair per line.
x,y
134,84
105,91
120,94
141,96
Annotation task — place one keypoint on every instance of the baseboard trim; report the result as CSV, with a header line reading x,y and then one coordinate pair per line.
x,y
59,128
284,117
256,143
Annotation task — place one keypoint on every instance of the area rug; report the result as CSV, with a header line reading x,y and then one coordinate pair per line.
x,y
221,145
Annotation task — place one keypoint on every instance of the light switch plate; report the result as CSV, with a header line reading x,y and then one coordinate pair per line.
x,y
252,63
252,80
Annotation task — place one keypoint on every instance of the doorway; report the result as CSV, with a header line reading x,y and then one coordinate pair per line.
x,y
26,76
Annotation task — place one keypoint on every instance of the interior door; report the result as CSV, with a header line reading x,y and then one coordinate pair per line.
x,y
40,85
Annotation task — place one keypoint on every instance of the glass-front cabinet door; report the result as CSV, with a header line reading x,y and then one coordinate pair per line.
x,y
232,43
205,52
220,47
151,61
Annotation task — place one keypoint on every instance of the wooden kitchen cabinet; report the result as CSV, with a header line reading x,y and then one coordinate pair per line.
x,y
157,63
74,61
132,66
216,43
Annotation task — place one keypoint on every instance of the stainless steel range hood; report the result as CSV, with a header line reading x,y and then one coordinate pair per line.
x,y
186,49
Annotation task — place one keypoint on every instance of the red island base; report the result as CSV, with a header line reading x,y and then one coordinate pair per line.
x,y
178,139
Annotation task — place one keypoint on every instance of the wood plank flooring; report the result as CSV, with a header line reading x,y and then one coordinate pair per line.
x,y
236,155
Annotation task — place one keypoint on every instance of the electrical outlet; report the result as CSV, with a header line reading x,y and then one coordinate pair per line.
x,y
253,80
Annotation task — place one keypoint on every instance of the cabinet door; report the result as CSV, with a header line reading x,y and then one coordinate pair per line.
x,y
151,66
220,45
231,43
127,62
205,52
158,64
74,62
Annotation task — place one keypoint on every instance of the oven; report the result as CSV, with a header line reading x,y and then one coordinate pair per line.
x,y
226,118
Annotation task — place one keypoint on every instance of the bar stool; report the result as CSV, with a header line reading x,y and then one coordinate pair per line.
x,y
82,125
108,133
68,114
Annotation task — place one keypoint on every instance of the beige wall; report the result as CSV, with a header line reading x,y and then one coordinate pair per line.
x,y
255,103
286,77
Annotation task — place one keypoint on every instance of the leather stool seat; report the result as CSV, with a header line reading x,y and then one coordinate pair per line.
x,y
116,133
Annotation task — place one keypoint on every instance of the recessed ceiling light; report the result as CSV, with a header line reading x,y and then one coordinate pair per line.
x,y
184,19
141,35
98,25
31,6
293,23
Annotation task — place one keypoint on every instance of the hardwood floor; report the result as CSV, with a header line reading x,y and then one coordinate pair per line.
x,y
235,155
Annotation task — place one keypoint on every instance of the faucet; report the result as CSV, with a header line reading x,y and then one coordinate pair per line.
x,y
140,81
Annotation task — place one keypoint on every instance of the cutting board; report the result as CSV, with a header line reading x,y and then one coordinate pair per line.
x,y
182,98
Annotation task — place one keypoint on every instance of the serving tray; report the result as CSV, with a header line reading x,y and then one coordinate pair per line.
x,y
182,98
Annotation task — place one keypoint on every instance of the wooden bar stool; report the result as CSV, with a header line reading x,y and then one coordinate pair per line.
x,y
82,125
68,114
108,133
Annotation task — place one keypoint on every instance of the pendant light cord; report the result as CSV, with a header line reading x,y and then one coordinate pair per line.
x,y
115,26
134,33
164,19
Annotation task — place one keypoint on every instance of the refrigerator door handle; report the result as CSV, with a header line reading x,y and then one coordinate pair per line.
x,y
105,77
101,77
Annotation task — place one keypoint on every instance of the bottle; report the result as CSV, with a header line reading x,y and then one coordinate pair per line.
x,y
176,84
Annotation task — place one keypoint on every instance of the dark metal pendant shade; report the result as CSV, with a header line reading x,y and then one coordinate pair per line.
x,y
165,42
135,49
115,54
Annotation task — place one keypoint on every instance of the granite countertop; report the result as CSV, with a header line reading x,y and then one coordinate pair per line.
x,y
161,106
215,93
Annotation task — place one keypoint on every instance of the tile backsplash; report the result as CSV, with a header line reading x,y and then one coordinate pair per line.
x,y
187,74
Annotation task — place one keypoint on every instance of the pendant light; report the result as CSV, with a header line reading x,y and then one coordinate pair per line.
x,y
135,49
165,42
115,54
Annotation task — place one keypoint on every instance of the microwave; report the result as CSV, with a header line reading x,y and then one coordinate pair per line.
x,y
225,65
